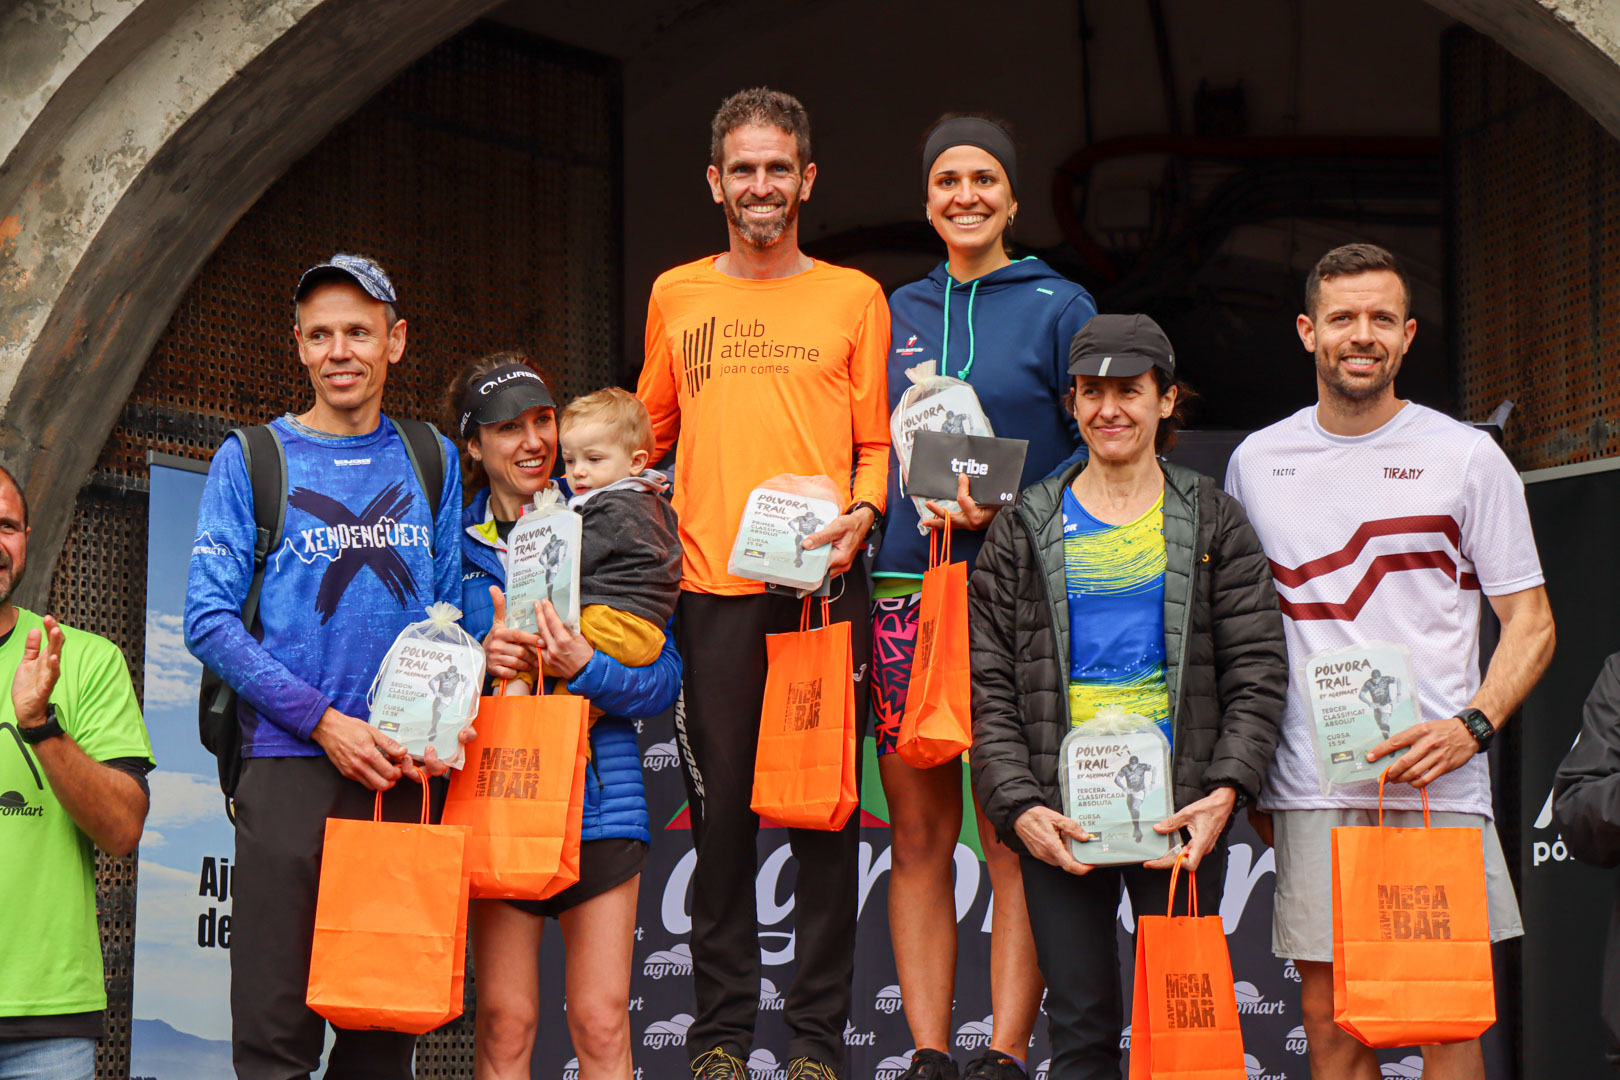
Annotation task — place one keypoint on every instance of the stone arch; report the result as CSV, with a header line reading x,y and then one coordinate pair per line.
x,y
126,160
133,134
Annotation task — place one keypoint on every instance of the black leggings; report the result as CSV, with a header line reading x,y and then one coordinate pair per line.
x,y
1073,919
722,643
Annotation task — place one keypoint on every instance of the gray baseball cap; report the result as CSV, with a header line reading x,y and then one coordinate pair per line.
x,y
1122,346
356,268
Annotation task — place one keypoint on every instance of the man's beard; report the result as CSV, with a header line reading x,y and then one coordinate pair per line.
x,y
762,234
8,580
1357,391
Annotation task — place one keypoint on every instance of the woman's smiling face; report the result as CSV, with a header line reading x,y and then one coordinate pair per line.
x,y
969,198
1119,417
518,453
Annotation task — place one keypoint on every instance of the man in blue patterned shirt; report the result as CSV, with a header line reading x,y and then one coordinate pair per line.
x,y
363,551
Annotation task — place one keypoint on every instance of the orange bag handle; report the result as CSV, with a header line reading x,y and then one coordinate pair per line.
x,y
1192,886
804,614
943,535
1422,791
376,813
539,677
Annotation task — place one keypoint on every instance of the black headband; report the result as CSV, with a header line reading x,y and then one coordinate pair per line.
x,y
498,395
971,131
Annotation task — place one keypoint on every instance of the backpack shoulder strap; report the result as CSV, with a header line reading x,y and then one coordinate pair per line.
x,y
426,450
266,461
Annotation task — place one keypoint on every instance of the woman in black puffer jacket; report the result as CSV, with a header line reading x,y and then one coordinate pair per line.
x,y
1182,628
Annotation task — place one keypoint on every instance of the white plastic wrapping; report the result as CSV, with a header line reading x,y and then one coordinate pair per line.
x,y
933,402
428,686
542,562
1357,696
1114,775
777,518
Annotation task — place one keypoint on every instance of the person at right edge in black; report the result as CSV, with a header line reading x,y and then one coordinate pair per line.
x,y
1586,805
1045,629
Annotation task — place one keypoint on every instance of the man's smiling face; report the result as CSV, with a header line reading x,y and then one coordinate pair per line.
x,y
1359,333
346,344
761,184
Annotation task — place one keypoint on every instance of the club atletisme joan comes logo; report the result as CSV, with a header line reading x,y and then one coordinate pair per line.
x,y
741,347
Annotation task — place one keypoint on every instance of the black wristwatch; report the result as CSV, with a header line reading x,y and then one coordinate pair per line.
x,y
877,515
37,734
1479,727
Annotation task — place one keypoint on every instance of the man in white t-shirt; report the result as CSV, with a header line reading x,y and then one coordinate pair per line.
x,y
1384,521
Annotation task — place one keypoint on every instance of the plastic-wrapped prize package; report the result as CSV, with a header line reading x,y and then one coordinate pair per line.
x,y
779,516
1358,697
542,562
1114,775
427,688
933,402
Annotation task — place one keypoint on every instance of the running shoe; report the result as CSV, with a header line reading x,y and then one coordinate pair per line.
x,y
719,1064
803,1068
993,1065
930,1065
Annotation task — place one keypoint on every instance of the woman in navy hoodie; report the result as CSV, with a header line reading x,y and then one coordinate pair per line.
x,y
1004,327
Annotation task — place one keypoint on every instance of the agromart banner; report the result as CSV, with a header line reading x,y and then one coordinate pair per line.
x,y
182,948
877,1038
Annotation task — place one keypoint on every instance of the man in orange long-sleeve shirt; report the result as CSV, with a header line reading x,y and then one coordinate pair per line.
x,y
763,361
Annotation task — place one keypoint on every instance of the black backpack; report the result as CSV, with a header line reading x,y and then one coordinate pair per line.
x,y
266,462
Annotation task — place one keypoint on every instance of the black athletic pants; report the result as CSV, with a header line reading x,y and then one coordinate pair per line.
x,y
281,809
722,645
1074,919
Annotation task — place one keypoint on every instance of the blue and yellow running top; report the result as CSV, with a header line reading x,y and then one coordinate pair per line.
x,y
1115,579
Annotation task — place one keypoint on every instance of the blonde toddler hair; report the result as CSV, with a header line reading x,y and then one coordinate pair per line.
x,y
620,410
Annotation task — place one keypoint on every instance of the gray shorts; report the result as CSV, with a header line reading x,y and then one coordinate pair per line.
x,y
1302,914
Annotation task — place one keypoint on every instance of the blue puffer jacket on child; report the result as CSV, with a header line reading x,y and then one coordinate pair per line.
x,y
615,800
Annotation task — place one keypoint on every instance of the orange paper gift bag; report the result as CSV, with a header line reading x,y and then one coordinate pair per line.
x,y
1411,934
390,950
938,722
804,771
522,795
1184,1018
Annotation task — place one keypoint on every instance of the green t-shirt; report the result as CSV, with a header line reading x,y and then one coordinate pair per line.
x,y
47,865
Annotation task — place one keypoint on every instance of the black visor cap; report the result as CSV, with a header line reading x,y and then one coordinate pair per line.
x,y
508,391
